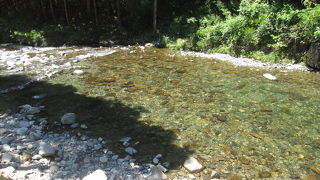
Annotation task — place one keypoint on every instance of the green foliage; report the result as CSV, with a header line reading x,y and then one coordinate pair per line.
x,y
32,37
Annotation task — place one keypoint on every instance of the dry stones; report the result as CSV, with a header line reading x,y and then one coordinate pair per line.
x,y
6,157
270,77
68,118
193,165
46,150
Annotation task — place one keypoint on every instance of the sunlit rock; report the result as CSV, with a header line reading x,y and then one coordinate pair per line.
x,y
270,77
193,165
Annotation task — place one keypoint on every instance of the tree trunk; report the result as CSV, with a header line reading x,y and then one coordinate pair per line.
x,y
154,14
118,13
43,10
88,7
95,11
66,11
52,12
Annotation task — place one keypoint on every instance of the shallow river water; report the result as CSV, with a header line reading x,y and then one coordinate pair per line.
x,y
230,118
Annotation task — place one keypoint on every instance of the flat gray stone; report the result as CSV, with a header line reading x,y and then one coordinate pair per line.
x,y
24,124
46,150
68,118
21,131
131,150
6,157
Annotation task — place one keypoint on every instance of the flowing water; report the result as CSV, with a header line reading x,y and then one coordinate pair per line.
x,y
230,118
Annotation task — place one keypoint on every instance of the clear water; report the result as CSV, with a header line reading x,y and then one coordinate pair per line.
x,y
231,118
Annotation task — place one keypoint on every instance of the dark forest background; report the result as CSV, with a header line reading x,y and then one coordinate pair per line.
x,y
270,30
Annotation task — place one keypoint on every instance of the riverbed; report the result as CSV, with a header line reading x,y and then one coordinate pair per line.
x,y
231,118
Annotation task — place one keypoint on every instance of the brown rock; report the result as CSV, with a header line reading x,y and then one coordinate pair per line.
x,y
26,156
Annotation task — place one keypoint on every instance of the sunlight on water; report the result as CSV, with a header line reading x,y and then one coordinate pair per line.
x,y
232,118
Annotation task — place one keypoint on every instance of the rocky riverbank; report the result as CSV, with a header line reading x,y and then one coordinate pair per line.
x,y
246,61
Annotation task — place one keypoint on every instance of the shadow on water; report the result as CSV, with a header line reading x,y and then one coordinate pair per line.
x,y
109,119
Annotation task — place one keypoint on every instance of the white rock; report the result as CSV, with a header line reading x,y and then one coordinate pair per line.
x,y
163,169
54,168
270,77
68,118
96,175
131,150
8,171
24,124
192,165
191,176
156,174
46,150
6,157
103,159
78,72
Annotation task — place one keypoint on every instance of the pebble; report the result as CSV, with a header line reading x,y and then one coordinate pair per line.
x,y
103,159
131,150
125,139
83,126
193,165
26,156
68,118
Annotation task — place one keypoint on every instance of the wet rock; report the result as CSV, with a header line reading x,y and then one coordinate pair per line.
x,y
193,165
125,139
68,118
83,126
46,150
156,174
74,125
96,175
131,150
6,157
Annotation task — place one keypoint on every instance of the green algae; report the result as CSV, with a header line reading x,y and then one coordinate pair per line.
x,y
230,117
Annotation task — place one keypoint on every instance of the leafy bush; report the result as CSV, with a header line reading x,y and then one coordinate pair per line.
x,y
32,37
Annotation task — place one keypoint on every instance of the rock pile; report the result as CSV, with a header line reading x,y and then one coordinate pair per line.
x,y
29,153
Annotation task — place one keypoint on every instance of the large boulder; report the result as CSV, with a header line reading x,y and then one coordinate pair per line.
x,y
313,59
